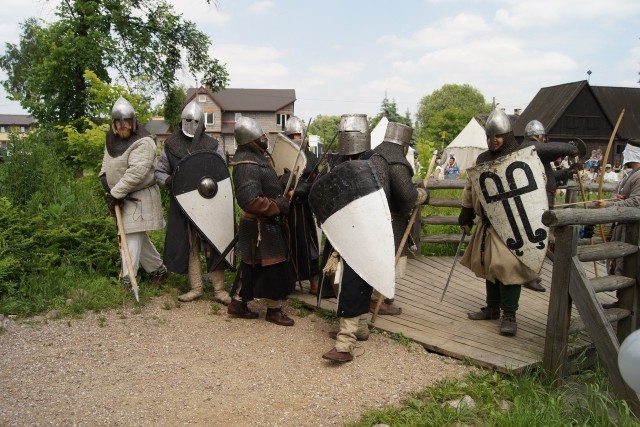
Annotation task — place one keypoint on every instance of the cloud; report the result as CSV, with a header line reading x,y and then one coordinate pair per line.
x,y
544,13
253,66
261,7
446,32
201,13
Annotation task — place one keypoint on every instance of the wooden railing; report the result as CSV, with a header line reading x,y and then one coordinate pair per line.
x,y
570,284
573,194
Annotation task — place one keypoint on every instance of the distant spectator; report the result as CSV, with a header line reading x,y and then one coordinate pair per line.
x,y
438,173
417,166
451,169
590,175
609,175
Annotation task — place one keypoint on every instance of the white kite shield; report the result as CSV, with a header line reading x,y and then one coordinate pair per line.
x,y
353,211
202,186
512,192
285,156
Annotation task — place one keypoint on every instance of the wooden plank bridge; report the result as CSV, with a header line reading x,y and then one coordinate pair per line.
x,y
444,327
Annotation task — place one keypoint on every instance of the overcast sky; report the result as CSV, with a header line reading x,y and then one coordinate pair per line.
x,y
344,56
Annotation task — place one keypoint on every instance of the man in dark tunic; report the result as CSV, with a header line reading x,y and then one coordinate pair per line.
x,y
535,134
183,241
262,240
402,195
304,237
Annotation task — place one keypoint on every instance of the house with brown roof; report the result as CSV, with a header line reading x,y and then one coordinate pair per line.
x,y
579,110
20,123
270,107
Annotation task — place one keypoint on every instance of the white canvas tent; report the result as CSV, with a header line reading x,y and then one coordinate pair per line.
x,y
466,147
377,136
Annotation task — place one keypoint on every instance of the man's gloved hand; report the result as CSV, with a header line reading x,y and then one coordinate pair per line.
x,y
575,167
302,190
423,196
580,148
168,183
284,178
588,231
283,204
105,184
465,219
113,202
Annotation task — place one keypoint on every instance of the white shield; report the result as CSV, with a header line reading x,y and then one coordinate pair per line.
x,y
202,187
512,192
285,156
355,217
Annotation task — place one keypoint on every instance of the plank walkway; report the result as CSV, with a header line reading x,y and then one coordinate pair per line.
x,y
444,327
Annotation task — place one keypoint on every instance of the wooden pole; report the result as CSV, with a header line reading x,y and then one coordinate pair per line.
x,y
584,201
127,254
605,159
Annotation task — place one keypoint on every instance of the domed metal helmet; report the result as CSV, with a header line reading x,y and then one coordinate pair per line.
x,y
123,110
534,127
398,133
353,134
192,115
498,123
247,130
295,125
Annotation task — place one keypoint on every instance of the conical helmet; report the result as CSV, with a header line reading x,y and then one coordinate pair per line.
x,y
534,127
123,110
498,123
247,130
294,125
353,134
192,115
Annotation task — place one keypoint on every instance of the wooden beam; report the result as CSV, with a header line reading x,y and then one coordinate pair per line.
x,y
559,313
602,334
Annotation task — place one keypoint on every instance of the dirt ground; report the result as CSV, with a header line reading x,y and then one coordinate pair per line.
x,y
190,366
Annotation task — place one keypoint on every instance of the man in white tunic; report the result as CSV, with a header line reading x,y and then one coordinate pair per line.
x,y
127,175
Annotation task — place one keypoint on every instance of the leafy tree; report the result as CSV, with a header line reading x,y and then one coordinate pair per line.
x,y
448,110
83,146
144,41
173,104
326,127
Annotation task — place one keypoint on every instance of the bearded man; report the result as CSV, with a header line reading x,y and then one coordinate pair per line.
x,y
127,175
262,240
487,255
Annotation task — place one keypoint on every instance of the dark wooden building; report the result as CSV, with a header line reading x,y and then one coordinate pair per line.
x,y
579,110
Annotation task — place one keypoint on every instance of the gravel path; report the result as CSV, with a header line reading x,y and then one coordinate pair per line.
x,y
189,366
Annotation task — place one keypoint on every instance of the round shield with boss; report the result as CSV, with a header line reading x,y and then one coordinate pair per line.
x,y
202,186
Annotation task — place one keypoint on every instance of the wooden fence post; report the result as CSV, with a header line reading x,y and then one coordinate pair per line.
x,y
559,315
628,298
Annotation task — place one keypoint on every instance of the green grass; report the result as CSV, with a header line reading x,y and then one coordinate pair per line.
x,y
503,400
440,249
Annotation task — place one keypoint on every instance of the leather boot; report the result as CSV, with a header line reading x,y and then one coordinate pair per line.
x,y
275,315
159,276
508,326
337,356
313,286
535,285
485,313
385,309
241,310
220,294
